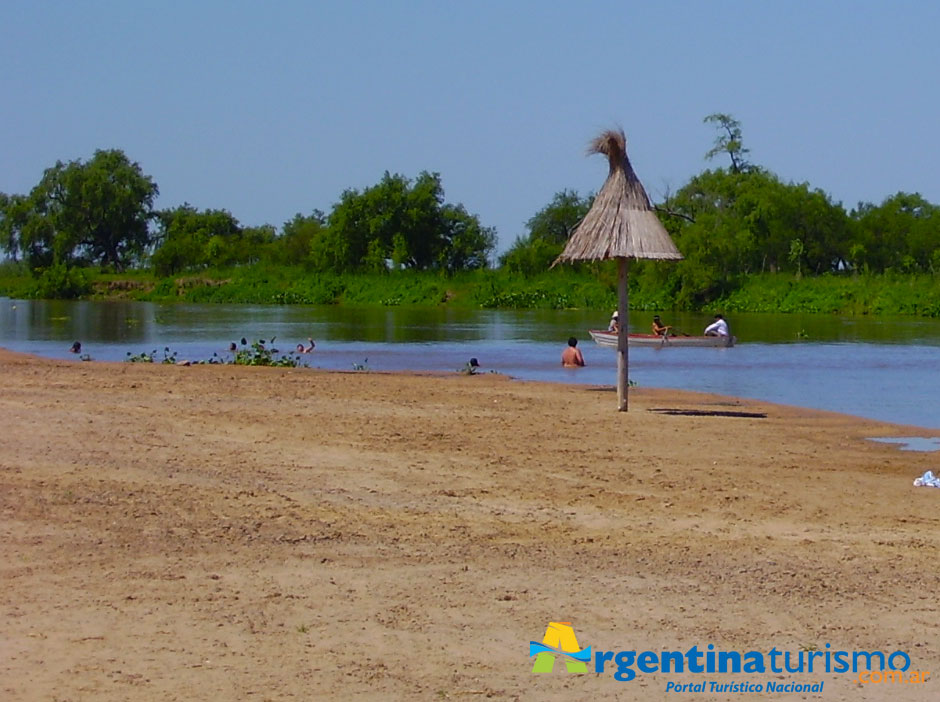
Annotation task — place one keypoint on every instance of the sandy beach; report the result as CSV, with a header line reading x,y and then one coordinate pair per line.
x,y
237,533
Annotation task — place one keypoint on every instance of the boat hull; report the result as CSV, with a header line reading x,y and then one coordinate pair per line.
x,y
609,339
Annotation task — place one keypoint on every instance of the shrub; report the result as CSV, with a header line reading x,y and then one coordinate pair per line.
x,y
59,282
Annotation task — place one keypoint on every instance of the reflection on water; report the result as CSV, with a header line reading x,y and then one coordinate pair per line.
x,y
911,443
883,369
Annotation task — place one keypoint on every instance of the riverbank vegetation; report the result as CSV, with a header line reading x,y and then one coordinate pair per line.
x,y
590,288
751,242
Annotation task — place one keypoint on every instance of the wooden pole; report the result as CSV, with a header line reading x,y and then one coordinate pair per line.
x,y
623,313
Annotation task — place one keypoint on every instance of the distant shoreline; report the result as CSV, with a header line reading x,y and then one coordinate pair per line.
x,y
915,295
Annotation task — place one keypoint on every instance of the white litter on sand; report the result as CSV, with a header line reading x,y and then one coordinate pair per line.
x,y
928,479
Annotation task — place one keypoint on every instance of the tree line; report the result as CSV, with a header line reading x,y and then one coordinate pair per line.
x,y
736,221
100,213
729,222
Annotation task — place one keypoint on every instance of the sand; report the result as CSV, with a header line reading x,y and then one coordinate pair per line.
x,y
223,533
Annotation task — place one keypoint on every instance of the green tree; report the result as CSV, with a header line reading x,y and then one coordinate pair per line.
x,y
728,141
466,243
14,212
253,244
548,230
797,250
900,234
189,239
530,256
399,253
329,251
407,220
730,224
374,261
376,214
555,222
422,222
95,212
293,246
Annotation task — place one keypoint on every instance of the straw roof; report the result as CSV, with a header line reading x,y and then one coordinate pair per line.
x,y
621,222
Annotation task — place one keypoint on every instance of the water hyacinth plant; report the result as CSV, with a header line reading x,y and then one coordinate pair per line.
x,y
257,353
169,358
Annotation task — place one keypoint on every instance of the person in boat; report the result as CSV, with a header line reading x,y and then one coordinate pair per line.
x,y
660,329
571,357
614,326
717,328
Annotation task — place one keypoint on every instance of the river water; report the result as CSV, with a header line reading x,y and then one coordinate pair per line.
x,y
883,369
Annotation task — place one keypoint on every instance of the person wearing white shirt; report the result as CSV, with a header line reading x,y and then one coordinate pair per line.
x,y
717,328
614,325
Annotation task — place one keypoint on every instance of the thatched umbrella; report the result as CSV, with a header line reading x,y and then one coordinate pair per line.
x,y
621,224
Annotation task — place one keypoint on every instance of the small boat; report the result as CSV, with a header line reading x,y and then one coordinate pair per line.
x,y
609,339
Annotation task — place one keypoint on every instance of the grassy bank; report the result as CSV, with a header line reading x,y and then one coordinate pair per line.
x,y
594,288
915,295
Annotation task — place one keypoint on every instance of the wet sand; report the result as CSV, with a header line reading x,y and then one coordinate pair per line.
x,y
213,533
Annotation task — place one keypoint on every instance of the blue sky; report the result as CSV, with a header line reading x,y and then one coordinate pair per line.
x,y
272,108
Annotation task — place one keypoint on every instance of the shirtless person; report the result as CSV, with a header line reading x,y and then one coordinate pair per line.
x,y
660,329
571,357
